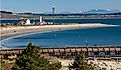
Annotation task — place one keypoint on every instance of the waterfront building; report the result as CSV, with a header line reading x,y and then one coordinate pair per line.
x,y
25,22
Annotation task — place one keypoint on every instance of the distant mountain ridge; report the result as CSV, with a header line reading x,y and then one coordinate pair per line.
x,y
92,11
99,11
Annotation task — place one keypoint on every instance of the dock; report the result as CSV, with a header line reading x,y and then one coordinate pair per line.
x,y
110,52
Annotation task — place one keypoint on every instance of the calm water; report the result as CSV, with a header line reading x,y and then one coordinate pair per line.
x,y
104,21
79,37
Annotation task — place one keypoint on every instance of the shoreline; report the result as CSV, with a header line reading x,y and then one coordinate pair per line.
x,y
11,31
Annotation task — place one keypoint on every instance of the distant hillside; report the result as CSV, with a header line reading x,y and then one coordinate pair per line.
x,y
99,11
6,12
9,16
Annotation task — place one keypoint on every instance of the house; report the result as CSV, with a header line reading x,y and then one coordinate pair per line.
x,y
25,22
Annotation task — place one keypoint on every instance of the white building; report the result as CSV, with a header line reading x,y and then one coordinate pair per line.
x,y
25,22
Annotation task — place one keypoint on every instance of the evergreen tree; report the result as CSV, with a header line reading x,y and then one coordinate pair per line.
x,y
31,59
80,63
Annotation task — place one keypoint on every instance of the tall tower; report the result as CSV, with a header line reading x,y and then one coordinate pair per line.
x,y
53,10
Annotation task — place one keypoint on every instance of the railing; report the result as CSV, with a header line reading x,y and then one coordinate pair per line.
x,y
71,52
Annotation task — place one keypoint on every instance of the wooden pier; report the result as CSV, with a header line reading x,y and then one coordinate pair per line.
x,y
71,52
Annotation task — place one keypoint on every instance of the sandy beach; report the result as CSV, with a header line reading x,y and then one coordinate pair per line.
x,y
19,30
106,65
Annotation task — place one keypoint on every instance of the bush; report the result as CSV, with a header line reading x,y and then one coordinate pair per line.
x,y
80,63
31,59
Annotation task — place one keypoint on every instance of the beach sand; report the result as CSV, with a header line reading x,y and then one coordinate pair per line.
x,y
19,30
107,65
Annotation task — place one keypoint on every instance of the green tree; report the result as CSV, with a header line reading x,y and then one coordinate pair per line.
x,y
31,59
80,63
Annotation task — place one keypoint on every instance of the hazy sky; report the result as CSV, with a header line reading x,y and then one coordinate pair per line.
x,y
61,5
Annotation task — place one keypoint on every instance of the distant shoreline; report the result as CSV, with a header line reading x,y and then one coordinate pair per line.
x,y
60,18
19,30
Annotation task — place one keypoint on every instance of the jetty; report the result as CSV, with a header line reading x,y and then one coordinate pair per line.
x,y
100,52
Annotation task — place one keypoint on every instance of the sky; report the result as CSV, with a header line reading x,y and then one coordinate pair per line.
x,y
41,6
